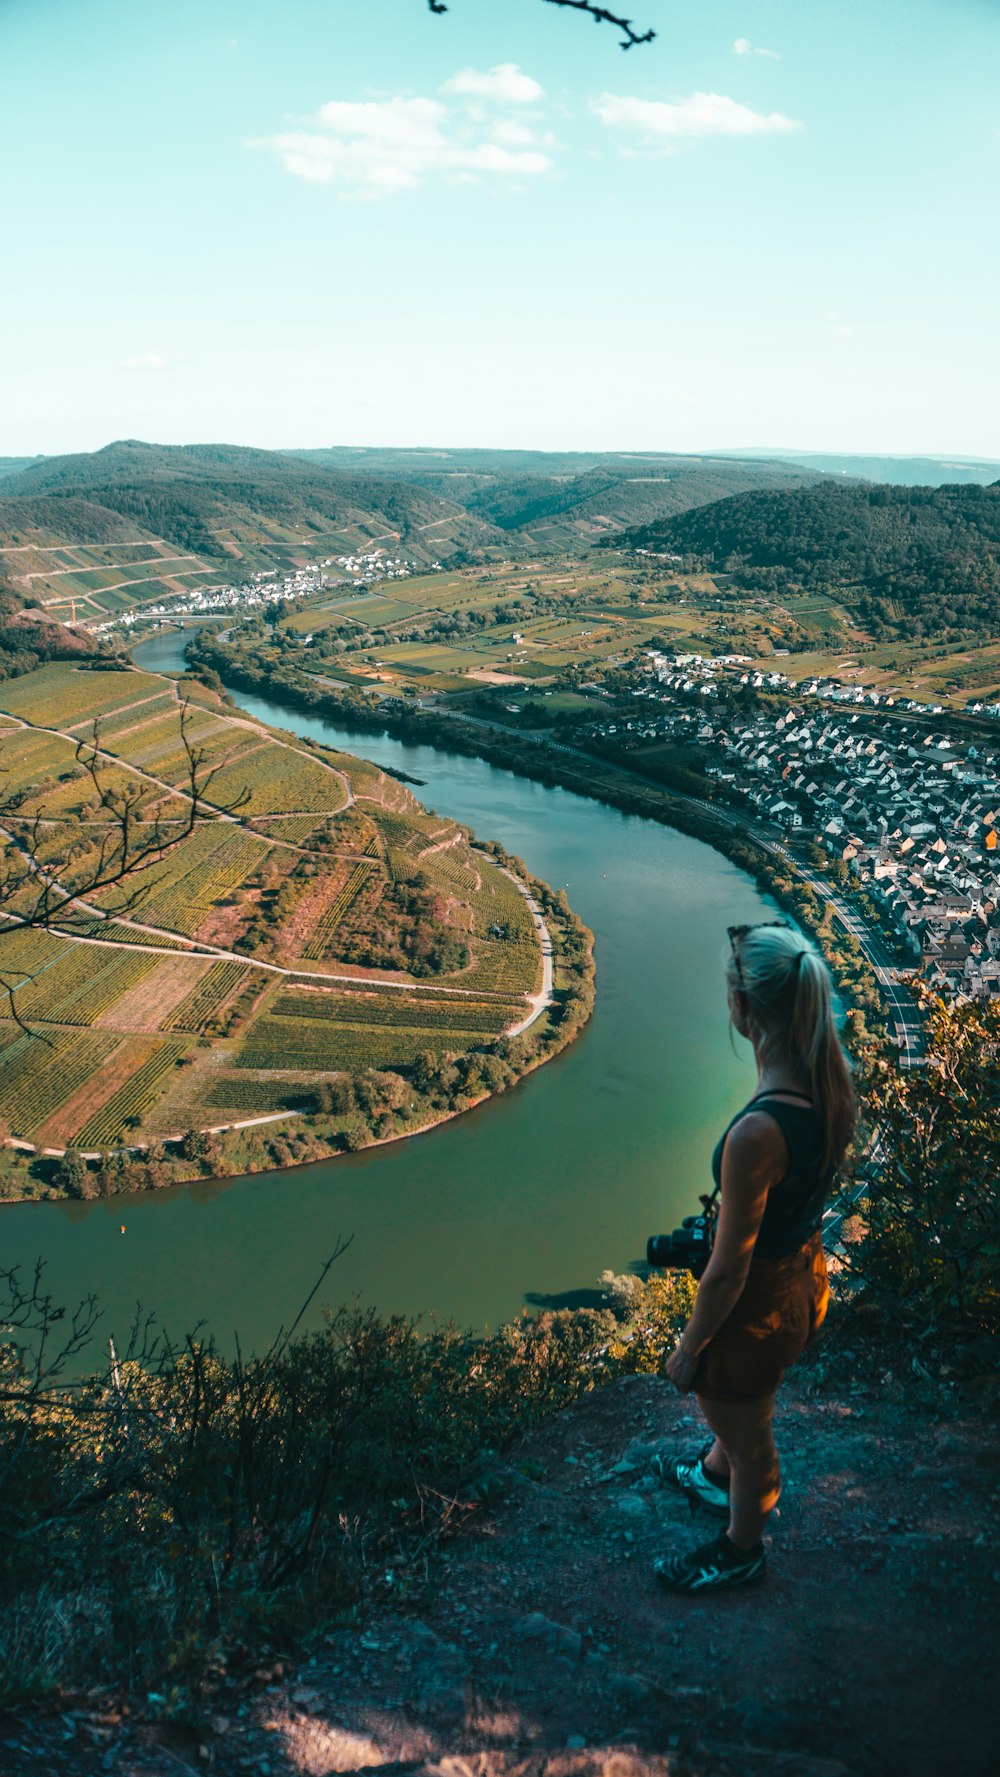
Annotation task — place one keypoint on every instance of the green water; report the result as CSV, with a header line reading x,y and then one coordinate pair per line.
x,y
526,1199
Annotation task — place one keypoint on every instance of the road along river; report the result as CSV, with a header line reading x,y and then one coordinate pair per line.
x,y
522,1201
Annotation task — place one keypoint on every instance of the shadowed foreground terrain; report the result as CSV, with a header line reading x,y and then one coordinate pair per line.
x,y
539,1646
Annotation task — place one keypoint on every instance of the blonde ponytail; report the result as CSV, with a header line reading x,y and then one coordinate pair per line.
x,y
789,999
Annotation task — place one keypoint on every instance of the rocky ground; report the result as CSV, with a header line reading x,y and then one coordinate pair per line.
x,y
541,1647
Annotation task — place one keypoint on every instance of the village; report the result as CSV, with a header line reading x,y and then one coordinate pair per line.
x,y
359,571
910,815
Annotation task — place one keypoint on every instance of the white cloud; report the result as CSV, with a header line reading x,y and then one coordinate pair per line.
x,y
505,85
744,47
658,122
376,147
145,361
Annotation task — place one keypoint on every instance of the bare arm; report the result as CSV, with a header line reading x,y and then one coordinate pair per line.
x,y
754,1159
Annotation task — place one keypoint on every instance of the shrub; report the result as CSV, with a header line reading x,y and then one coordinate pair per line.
x,y
184,1503
931,1212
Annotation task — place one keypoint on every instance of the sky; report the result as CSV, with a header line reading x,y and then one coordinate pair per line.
x,y
316,222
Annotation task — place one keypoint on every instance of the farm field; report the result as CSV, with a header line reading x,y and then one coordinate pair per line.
x,y
584,612
156,1003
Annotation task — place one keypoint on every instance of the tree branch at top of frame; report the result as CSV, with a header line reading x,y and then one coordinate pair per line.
x,y
600,14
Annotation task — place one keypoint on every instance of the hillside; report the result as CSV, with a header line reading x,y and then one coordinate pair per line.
x,y
902,471
908,561
76,560
312,925
13,465
552,500
260,507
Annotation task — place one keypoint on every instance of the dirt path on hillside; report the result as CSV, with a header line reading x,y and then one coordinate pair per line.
x,y
540,1647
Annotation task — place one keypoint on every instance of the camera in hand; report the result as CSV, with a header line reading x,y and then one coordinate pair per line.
x,y
688,1248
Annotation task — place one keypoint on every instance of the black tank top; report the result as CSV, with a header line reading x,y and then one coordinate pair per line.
x,y
794,1208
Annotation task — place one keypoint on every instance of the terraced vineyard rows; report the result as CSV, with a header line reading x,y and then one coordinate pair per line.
x,y
115,930
503,967
26,950
39,1075
249,1097
212,991
72,694
136,1005
118,1119
135,712
315,949
180,890
101,987
483,1019
293,828
451,867
276,779
317,1044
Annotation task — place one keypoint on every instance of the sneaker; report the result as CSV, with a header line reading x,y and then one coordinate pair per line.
x,y
693,1478
715,1567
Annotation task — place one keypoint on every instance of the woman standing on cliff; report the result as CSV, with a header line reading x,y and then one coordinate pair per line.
x,y
764,1290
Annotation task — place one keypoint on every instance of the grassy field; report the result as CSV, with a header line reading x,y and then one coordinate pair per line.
x,y
600,608
199,972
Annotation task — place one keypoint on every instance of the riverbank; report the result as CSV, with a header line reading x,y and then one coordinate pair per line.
x,y
865,986
410,1104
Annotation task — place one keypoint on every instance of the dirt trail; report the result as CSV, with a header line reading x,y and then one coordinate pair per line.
x,y
542,1649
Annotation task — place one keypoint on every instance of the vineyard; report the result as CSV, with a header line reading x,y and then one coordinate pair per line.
x,y
102,977
481,1019
207,998
65,696
111,1019
248,1097
28,755
123,1114
180,889
316,947
455,868
317,1044
278,778
23,951
291,829
40,1073
115,931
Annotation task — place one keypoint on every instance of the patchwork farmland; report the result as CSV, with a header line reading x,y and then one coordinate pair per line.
x,y
294,922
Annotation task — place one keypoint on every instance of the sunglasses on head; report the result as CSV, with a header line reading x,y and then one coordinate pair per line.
x,y
738,933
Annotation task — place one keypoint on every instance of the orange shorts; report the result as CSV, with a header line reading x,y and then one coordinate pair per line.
x,y
784,1302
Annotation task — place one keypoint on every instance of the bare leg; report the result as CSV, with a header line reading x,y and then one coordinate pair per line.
x,y
716,1462
746,1436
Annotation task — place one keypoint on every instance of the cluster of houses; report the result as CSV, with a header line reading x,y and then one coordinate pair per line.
x,y
264,588
362,570
913,812
257,590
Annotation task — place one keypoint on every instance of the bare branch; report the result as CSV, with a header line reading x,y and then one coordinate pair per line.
x,y
35,889
600,14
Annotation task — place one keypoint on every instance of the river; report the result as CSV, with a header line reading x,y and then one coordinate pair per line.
x,y
521,1202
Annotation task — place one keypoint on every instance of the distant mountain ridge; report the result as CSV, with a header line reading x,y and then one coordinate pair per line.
x,y
226,500
270,508
551,500
912,561
899,471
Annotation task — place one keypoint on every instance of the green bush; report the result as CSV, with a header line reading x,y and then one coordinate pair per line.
x,y
180,1505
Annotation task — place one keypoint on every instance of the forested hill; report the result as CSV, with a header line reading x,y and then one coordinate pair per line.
x,y
909,560
223,500
553,500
